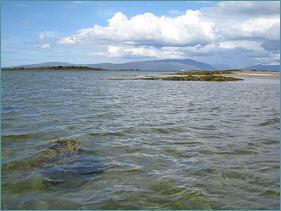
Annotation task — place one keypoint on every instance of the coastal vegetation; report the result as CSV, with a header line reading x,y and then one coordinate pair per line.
x,y
65,68
56,68
56,152
193,78
196,76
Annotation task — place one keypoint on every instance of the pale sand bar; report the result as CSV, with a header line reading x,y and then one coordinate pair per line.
x,y
254,74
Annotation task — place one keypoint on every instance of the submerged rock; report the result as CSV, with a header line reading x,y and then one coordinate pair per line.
x,y
65,151
59,161
64,161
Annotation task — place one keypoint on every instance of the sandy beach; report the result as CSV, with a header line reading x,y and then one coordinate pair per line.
x,y
254,73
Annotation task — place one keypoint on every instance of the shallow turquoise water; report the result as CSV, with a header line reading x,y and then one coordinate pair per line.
x,y
145,144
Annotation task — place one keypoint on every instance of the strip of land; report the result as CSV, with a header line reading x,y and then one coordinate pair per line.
x,y
253,73
64,68
222,75
56,68
195,76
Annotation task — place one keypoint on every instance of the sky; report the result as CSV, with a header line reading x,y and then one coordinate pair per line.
x,y
234,33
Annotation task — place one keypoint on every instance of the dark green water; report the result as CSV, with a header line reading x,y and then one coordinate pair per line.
x,y
145,144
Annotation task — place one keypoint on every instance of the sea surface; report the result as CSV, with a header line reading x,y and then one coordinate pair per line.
x,y
143,144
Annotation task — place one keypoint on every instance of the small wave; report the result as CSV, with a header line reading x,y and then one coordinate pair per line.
x,y
20,137
107,134
270,122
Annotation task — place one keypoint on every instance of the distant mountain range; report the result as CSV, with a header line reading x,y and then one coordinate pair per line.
x,y
160,65
156,65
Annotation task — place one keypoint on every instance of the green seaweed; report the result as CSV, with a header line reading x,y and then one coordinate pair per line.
x,y
15,165
61,151
196,76
31,185
193,78
64,142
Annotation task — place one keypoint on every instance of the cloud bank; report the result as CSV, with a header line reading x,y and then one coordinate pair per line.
x,y
148,29
246,28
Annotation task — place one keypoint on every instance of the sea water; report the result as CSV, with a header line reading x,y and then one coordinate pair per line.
x,y
144,144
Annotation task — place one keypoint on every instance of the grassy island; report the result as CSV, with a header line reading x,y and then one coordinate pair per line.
x,y
196,76
56,68
193,78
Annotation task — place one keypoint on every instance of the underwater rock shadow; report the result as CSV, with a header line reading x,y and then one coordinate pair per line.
x,y
56,165
64,161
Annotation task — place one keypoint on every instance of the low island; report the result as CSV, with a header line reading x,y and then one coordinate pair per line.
x,y
56,68
219,75
196,76
65,68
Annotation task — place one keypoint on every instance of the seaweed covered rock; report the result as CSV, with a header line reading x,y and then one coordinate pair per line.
x,y
61,151
64,160
58,162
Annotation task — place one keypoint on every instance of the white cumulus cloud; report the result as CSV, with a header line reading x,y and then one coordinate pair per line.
x,y
67,41
165,52
41,36
267,28
45,46
148,29
229,30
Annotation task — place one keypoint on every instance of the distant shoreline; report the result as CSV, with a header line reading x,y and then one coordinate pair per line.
x,y
65,68
55,68
244,73
219,75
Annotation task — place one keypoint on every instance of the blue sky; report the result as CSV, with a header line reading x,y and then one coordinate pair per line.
x,y
237,34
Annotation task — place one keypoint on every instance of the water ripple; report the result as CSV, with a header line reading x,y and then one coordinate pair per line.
x,y
144,144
